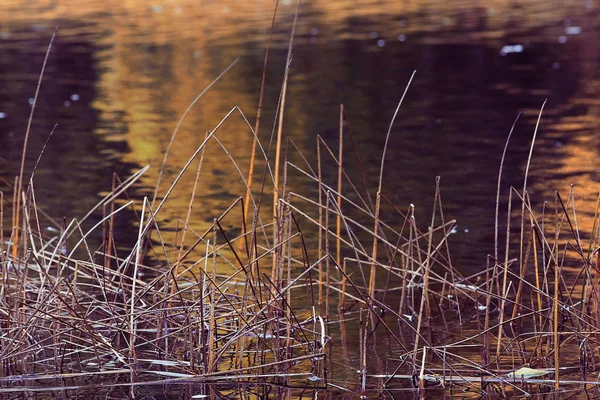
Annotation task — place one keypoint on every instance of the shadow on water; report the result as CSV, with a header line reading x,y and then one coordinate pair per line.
x,y
76,166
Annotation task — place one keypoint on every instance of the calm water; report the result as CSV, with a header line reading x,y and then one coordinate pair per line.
x,y
120,75
122,72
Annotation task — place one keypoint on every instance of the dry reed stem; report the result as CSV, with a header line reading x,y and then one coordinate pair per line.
x,y
186,225
282,110
258,112
500,169
556,295
338,225
378,197
19,182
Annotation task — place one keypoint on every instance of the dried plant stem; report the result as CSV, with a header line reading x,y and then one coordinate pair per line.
x,y
19,185
258,114
338,227
322,228
504,293
212,324
555,305
372,275
186,225
424,296
282,111
132,337
496,255
523,193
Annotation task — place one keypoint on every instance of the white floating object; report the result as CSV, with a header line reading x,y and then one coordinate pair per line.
x,y
401,37
75,97
515,48
528,373
562,39
2,115
468,287
380,43
573,30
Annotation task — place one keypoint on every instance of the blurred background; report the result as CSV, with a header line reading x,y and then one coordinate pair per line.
x,y
121,73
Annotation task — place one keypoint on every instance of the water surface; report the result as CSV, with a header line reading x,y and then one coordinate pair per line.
x,y
120,74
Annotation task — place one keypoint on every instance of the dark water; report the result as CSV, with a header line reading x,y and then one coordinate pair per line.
x,y
120,74
119,78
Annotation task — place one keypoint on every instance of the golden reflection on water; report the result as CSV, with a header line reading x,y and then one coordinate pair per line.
x,y
154,58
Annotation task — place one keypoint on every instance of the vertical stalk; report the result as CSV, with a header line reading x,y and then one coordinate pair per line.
x,y
132,333
338,230
372,275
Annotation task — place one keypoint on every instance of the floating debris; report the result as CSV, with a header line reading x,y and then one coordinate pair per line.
x,y
527,372
468,287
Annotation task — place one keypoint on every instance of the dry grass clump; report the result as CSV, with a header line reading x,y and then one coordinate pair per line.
x,y
320,294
